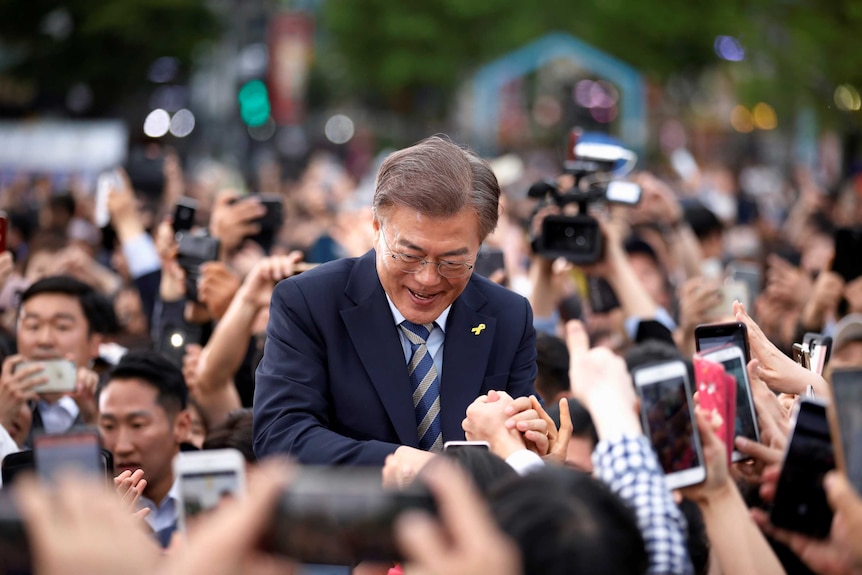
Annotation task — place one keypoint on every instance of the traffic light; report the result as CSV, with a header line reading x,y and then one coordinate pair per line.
x,y
254,107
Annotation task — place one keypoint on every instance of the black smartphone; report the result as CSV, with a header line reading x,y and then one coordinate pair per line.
x,y
271,221
845,419
602,297
488,261
194,250
848,246
184,214
713,335
341,516
800,500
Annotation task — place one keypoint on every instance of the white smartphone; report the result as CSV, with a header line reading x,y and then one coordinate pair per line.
x,y
733,360
104,185
206,477
667,412
61,373
451,445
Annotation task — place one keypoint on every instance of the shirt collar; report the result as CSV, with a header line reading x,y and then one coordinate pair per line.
x,y
399,317
172,495
65,403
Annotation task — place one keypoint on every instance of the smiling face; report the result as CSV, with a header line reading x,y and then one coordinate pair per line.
x,y
421,297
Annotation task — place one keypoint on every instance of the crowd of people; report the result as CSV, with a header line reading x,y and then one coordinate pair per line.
x,y
357,331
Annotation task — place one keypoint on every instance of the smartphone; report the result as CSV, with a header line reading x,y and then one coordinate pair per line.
x,y
192,251
3,229
745,422
749,274
820,348
716,391
848,246
711,336
22,462
271,222
845,420
206,477
602,297
184,214
801,355
488,261
667,412
455,445
75,451
61,373
800,501
341,516
106,182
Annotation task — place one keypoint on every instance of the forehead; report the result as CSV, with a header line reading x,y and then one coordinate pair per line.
x,y
121,395
410,228
47,305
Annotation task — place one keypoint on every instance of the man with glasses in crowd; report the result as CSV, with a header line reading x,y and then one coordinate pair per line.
x,y
382,354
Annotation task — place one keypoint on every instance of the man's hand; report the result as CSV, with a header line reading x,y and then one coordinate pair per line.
x,y
130,486
494,418
699,297
715,456
257,288
601,381
823,301
402,466
788,283
658,202
234,219
85,395
465,540
123,209
217,287
16,388
558,439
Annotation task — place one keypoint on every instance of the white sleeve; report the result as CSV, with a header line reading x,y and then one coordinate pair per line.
x,y
7,446
525,461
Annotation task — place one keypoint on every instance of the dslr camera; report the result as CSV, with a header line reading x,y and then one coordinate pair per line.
x,y
594,165
193,251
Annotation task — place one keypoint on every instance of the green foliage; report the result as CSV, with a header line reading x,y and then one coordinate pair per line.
x,y
109,45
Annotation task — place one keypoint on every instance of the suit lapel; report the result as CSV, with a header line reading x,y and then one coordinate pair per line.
x,y
465,358
373,333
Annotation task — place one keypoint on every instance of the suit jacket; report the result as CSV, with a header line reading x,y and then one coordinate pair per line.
x,y
333,388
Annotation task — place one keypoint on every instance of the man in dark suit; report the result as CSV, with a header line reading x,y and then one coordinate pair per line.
x,y
382,354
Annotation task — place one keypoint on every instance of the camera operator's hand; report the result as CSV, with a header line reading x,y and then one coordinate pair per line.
x,y
465,540
16,389
216,287
81,527
658,202
233,219
256,290
123,209
601,381
824,300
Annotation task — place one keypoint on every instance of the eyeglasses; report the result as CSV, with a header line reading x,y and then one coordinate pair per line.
x,y
411,264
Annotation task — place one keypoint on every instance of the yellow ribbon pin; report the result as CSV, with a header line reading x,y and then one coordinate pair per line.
x,y
478,329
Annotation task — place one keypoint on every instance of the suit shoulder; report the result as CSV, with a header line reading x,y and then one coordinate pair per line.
x,y
325,276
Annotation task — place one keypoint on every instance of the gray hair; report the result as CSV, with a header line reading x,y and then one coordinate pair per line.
x,y
438,179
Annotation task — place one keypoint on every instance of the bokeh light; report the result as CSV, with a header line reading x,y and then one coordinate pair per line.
x,y
182,123
764,116
157,123
729,48
339,129
741,119
847,98
264,131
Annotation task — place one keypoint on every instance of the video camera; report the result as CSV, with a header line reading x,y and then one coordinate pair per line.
x,y
578,238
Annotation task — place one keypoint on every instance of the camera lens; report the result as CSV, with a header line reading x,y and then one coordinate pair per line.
x,y
580,241
569,231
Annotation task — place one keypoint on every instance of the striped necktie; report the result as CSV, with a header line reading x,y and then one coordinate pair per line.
x,y
425,384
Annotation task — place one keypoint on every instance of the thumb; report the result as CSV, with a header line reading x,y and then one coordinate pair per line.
x,y
493,396
839,492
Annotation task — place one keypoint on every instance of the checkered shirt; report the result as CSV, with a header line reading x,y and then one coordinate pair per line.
x,y
629,467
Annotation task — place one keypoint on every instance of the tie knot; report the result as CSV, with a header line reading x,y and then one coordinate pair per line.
x,y
415,331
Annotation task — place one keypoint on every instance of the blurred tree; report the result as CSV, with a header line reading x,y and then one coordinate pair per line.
x,y
106,46
795,50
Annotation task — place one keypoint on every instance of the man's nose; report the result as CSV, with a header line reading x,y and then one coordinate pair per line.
x,y
429,274
124,444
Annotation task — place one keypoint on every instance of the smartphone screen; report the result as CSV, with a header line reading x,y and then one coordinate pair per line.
x,y
488,261
338,516
76,451
800,500
204,490
745,424
847,402
184,214
456,445
668,420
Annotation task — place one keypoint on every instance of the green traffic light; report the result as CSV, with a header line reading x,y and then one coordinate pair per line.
x,y
254,106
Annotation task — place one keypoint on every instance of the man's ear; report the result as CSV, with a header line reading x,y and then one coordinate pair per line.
x,y
182,426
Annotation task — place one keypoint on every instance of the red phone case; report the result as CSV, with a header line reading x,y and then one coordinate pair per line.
x,y
713,385
730,388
